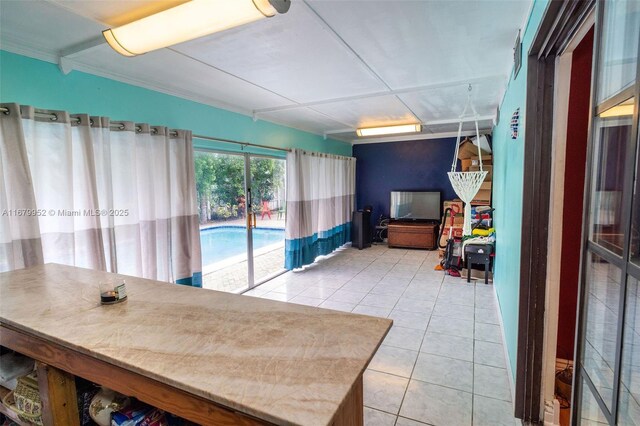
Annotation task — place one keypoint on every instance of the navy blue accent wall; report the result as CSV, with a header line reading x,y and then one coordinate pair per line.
x,y
420,165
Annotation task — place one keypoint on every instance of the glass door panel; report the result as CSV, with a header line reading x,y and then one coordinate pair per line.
x,y
619,47
590,412
613,132
609,358
601,325
220,186
268,210
629,409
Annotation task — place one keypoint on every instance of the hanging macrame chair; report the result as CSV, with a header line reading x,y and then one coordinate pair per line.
x,y
467,184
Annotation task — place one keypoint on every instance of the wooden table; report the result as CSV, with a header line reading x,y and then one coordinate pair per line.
x,y
210,357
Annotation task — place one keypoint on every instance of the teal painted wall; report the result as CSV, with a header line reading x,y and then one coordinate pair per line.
x,y
508,169
41,84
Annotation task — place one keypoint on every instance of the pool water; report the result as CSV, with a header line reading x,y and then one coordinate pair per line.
x,y
227,241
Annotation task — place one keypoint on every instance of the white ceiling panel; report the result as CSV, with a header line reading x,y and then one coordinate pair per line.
x,y
302,118
42,26
292,54
448,102
169,70
369,112
412,43
325,65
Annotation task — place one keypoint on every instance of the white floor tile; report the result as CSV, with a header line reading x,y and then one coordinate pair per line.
x,y
448,372
405,338
410,319
317,292
452,326
492,412
372,310
488,332
491,382
414,305
384,391
452,310
347,296
394,361
436,405
337,306
373,417
488,353
449,346
309,301
380,300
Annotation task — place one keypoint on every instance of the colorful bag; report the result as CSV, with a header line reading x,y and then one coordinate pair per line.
x,y
139,414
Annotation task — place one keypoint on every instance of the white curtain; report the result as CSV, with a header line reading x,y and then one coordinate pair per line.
x,y
83,191
320,201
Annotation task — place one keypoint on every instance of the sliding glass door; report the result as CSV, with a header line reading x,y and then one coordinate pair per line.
x,y
268,205
241,205
608,377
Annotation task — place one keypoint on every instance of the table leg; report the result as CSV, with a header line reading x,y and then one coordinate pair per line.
x,y
486,271
468,268
58,395
351,413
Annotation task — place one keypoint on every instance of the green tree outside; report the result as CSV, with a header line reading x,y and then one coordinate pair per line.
x,y
220,183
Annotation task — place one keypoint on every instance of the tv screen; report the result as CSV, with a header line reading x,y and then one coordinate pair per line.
x,y
415,205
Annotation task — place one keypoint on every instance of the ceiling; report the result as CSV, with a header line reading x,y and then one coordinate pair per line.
x,y
326,66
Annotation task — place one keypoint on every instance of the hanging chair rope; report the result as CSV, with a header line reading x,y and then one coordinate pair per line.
x,y
467,184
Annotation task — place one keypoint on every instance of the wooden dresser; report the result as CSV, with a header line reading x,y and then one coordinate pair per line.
x,y
413,235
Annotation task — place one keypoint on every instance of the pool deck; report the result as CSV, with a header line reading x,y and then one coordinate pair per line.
x,y
233,278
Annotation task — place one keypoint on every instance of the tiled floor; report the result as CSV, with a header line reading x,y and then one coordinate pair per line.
x,y
442,363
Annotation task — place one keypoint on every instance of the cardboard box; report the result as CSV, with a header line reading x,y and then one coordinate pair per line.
x,y
485,185
465,164
459,206
486,160
483,198
467,150
487,168
457,232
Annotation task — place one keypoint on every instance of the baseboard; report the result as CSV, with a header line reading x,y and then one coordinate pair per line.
x,y
512,385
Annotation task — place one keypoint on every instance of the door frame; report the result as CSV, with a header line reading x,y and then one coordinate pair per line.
x,y
559,25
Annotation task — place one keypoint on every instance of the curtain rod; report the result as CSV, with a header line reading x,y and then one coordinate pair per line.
x,y
54,117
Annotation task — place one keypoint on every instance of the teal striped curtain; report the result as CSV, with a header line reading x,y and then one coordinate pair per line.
x,y
320,200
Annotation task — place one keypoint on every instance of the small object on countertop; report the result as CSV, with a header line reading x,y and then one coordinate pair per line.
x,y
110,293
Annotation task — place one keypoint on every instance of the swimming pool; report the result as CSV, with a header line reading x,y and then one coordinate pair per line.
x,y
223,242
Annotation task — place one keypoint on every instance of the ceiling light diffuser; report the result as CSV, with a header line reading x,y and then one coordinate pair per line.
x,y
196,18
389,130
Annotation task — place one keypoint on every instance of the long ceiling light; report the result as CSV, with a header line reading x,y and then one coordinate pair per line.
x,y
196,18
389,130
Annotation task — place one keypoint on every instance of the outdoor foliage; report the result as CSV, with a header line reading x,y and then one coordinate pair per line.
x,y
220,183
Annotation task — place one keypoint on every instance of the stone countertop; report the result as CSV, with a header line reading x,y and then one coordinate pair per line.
x,y
280,362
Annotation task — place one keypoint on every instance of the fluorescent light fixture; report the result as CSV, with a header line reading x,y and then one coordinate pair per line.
x,y
187,21
389,130
624,108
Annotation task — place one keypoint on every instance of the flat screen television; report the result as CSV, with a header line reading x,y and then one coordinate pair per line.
x,y
413,205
